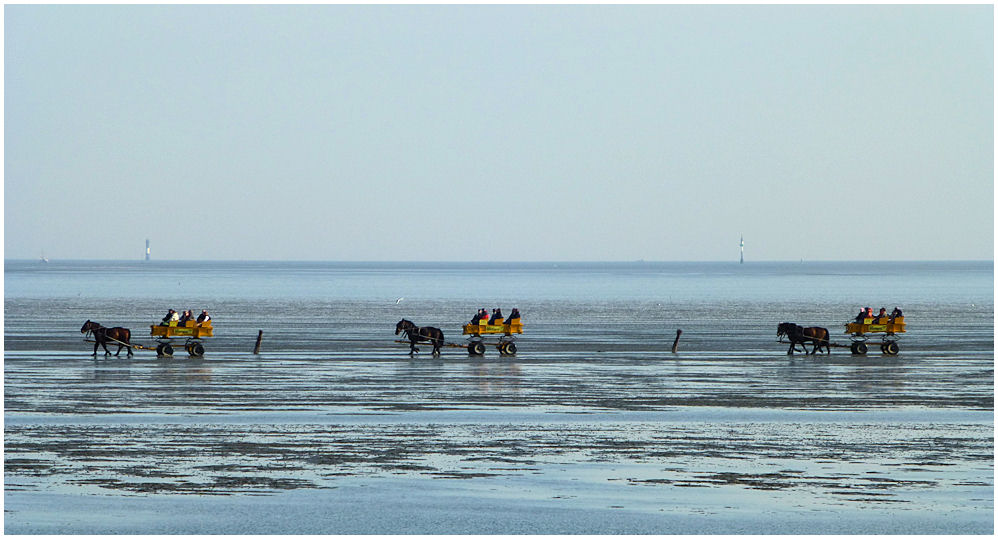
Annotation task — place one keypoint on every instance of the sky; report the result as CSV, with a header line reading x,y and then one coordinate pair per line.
x,y
499,133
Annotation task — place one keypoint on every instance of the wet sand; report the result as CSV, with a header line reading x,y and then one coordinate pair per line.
x,y
333,428
540,443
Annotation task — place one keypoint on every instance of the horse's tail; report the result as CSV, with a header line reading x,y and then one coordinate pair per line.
x,y
440,337
126,335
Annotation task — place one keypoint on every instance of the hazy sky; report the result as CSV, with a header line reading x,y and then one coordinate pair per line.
x,y
499,132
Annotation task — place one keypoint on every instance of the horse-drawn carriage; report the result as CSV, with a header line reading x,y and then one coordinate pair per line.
x,y
859,333
192,332
889,327
505,330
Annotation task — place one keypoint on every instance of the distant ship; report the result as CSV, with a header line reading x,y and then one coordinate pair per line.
x,y
44,259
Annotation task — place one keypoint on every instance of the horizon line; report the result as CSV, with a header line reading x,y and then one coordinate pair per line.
x,y
637,261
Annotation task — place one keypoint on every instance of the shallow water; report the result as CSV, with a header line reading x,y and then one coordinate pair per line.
x,y
595,426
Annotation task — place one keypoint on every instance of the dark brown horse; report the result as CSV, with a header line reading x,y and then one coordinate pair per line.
x,y
119,336
799,335
416,334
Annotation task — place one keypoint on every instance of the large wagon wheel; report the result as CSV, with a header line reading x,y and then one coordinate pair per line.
x,y
891,348
859,348
507,349
164,350
194,349
476,348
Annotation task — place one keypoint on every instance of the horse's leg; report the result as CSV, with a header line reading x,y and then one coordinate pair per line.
x,y
412,347
96,344
818,343
792,346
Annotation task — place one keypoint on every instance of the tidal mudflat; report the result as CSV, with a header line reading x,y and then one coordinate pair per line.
x,y
685,443
333,428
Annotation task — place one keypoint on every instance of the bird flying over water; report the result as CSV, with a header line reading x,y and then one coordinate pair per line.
x,y
399,301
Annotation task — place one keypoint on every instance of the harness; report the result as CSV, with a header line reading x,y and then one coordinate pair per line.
x,y
796,335
94,328
412,333
101,331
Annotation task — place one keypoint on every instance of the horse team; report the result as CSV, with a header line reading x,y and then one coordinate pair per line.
x,y
417,334
102,335
799,335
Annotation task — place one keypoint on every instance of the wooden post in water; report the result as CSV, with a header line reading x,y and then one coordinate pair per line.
x,y
259,337
675,344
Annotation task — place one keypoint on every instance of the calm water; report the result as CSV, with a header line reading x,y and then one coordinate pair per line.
x,y
594,427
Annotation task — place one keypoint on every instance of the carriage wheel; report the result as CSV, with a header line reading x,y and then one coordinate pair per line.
x,y
476,348
508,349
164,350
891,348
859,348
195,349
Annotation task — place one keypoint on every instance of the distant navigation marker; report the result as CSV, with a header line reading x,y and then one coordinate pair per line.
x,y
741,259
147,249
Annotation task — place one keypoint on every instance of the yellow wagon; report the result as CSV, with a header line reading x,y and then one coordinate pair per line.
x,y
506,330
191,331
890,328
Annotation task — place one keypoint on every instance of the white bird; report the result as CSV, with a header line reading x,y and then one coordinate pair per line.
x,y
399,301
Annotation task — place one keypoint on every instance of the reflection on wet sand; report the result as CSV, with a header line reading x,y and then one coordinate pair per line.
x,y
496,377
172,373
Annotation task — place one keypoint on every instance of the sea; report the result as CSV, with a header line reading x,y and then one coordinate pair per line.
x,y
644,398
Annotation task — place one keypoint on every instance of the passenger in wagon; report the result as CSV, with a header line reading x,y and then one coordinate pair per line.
x,y
171,316
496,316
896,313
513,315
861,315
203,317
882,316
186,317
